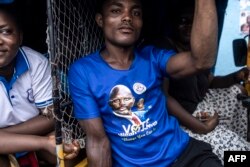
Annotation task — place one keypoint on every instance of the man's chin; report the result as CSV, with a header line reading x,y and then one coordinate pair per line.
x,y
122,112
126,42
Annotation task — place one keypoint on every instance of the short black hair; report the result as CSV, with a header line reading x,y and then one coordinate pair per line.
x,y
101,3
12,11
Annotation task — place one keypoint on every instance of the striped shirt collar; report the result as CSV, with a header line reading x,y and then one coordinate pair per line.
x,y
22,65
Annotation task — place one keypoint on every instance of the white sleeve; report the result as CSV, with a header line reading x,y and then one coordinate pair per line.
x,y
41,79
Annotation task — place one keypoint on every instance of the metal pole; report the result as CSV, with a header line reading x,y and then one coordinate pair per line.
x,y
56,82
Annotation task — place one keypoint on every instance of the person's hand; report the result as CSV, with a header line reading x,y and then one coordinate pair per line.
x,y
50,145
242,74
71,150
211,122
203,116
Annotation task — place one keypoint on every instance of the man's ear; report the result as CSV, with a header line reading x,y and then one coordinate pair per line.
x,y
98,19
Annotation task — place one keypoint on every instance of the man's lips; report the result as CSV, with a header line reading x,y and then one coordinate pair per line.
x,y
122,108
126,29
3,50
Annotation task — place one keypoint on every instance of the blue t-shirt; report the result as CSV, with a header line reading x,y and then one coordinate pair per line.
x,y
6,1
140,135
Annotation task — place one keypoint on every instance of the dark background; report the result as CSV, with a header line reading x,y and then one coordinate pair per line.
x,y
158,17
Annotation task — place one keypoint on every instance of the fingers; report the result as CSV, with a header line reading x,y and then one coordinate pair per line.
x,y
71,150
68,148
216,115
76,143
72,154
203,115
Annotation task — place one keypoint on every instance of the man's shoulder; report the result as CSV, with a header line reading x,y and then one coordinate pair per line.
x,y
87,60
145,48
154,51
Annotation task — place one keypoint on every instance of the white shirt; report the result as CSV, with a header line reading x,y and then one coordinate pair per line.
x,y
29,89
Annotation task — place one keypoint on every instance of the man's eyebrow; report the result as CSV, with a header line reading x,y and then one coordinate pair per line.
x,y
115,4
135,6
3,26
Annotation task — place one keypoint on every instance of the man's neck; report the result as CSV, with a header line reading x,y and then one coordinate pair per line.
x,y
118,57
8,71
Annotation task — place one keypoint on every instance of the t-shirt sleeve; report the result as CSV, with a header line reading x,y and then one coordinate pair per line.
x,y
42,83
85,105
161,57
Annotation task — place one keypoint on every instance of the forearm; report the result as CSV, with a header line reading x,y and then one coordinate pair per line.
x,y
98,152
185,118
97,143
204,34
230,79
224,81
39,125
12,143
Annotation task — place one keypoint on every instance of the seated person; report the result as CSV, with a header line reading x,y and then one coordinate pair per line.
x,y
26,118
208,98
117,91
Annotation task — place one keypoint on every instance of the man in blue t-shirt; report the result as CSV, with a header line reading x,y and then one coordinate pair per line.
x,y
106,86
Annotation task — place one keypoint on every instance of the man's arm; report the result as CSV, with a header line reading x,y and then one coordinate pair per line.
x,y
12,143
39,125
190,121
97,143
230,79
203,42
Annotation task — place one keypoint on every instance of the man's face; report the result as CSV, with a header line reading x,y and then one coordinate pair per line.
x,y
122,104
122,101
10,39
184,27
121,21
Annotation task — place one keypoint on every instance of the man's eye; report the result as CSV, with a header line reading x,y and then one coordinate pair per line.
x,y
5,31
116,101
115,11
127,98
137,13
185,21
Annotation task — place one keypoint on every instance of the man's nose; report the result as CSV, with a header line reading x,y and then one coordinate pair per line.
x,y
122,102
127,16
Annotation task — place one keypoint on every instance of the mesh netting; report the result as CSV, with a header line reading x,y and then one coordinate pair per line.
x,y
72,33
